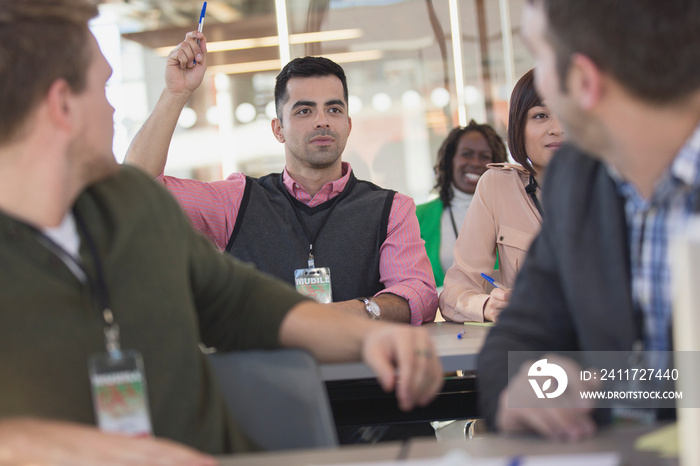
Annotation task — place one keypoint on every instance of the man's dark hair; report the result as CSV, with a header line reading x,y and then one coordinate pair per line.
x,y
40,41
448,150
306,67
522,99
652,47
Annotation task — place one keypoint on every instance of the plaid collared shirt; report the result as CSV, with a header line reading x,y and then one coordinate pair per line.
x,y
650,224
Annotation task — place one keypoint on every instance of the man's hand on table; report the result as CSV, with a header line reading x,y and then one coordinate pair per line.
x,y
569,418
404,359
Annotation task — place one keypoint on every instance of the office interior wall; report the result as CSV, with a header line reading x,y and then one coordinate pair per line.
x,y
398,56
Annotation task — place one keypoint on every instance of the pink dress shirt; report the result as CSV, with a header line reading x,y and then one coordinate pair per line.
x,y
403,266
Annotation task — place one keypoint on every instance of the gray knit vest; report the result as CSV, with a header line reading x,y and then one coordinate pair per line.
x,y
268,233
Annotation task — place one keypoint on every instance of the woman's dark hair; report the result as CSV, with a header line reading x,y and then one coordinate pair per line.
x,y
448,149
523,98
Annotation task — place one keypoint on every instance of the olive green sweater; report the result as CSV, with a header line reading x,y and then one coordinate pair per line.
x,y
168,288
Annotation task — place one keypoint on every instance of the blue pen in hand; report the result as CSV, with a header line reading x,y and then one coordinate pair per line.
x,y
200,26
495,283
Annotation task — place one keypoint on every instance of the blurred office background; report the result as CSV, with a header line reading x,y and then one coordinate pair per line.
x,y
415,68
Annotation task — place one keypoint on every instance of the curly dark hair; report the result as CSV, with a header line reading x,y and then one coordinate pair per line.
x,y
448,149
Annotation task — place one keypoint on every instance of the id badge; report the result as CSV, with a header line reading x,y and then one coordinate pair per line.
x,y
314,283
119,393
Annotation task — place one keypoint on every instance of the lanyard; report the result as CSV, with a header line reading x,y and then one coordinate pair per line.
x,y
311,239
454,224
99,287
67,258
111,329
531,189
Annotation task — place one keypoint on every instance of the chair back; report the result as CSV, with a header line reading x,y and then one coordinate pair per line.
x,y
276,397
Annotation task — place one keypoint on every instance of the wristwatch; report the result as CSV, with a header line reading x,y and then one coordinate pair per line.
x,y
372,308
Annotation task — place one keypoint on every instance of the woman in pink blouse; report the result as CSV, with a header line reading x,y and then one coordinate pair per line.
x,y
505,214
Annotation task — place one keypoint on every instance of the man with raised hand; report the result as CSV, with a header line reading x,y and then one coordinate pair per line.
x,y
315,222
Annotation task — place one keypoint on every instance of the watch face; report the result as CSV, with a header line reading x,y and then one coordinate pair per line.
x,y
373,308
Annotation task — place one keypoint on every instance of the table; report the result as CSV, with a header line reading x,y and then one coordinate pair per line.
x,y
618,439
609,439
357,399
346,454
455,353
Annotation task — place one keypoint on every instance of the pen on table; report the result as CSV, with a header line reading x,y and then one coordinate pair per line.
x,y
495,283
200,26
515,461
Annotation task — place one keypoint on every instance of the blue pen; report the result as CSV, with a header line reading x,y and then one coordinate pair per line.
x,y
200,27
495,283
516,460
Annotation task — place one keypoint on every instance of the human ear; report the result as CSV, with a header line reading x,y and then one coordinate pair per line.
x,y
585,81
277,129
59,102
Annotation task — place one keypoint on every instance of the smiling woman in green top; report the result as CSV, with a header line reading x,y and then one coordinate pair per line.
x,y
461,161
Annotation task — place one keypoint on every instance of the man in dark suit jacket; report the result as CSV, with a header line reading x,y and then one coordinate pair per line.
x,y
597,277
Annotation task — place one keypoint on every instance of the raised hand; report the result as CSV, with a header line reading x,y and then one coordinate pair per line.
x,y
186,64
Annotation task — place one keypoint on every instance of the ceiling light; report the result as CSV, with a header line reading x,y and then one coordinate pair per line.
x,y
267,65
272,41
